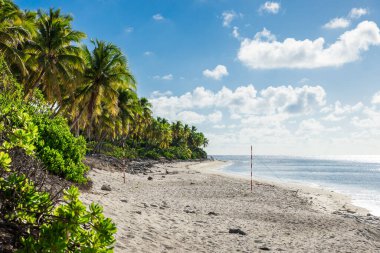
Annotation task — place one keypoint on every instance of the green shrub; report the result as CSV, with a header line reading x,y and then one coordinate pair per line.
x,y
198,153
182,153
59,150
73,229
168,155
152,154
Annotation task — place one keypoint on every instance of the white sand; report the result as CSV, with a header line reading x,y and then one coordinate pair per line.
x,y
171,213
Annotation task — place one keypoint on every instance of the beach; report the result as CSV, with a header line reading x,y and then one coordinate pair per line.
x,y
193,207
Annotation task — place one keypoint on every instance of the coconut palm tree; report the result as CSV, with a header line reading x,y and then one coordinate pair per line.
x,y
54,59
16,27
106,73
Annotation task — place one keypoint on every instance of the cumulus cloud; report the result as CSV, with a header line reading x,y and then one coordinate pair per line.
x,y
376,98
167,77
357,13
265,35
228,17
338,111
217,73
313,127
369,120
244,101
337,23
215,117
270,7
342,22
191,117
158,17
257,53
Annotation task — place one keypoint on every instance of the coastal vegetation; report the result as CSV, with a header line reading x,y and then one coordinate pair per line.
x,y
90,86
61,99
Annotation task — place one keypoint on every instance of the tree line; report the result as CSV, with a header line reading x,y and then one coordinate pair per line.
x,y
91,86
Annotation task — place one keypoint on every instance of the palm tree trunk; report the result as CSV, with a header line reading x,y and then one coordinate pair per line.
x,y
34,86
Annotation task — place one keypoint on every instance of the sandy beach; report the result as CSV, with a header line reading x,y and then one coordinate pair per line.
x,y
193,207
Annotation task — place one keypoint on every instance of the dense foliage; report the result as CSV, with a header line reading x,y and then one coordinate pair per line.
x,y
42,221
92,88
60,151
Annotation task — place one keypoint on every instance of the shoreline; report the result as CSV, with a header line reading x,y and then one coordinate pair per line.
x,y
186,207
324,199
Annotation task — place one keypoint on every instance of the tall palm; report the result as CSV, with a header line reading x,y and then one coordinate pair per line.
x,y
143,119
16,27
105,73
129,110
54,58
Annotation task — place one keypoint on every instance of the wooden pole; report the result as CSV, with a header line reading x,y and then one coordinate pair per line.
x,y
124,169
251,168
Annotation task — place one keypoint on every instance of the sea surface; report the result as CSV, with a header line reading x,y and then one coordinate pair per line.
x,y
356,176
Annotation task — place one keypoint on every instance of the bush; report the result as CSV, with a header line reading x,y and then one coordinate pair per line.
x,y
112,150
182,153
58,149
152,154
168,155
198,153
73,228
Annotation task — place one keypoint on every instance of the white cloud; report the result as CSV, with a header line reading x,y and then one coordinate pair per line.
x,y
338,112
369,120
161,94
217,73
307,54
129,29
376,98
158,17
167,77
148,53
337,23
244,101
313,127
270,7
228,17
265,35
357,13
215,117
191,117
235,32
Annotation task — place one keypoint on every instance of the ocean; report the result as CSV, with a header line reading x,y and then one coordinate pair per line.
x,y
356,176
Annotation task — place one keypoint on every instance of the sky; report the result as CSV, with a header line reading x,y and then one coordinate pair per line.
x,y
290,77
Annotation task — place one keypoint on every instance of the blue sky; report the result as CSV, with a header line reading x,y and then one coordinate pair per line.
x,y
290,77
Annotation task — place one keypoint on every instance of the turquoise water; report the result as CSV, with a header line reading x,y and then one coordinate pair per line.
x,y
356,176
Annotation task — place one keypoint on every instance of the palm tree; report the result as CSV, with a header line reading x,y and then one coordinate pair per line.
x,y
54,59
16,27
129,111
105,74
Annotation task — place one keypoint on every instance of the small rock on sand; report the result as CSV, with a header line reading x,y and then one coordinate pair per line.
x,y
106,187
150,178
236,231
